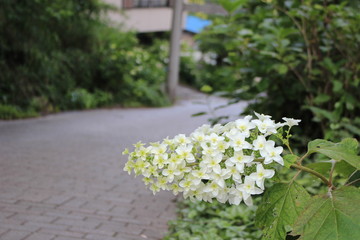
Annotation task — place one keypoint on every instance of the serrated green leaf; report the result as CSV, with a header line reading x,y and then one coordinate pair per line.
x,y
331,217
313,145
320,167
351,144
344,168
289,159
280,207
345,150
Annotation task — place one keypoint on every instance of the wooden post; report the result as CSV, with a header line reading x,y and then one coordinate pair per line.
x,y
174,59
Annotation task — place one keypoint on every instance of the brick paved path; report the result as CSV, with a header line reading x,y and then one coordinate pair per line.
x,y
61,176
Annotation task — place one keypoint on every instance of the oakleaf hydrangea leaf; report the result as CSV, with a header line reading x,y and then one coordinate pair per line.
x,y
334,216
345,150
280,207
289,159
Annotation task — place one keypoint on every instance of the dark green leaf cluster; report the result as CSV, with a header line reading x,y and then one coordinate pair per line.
x,y
203,221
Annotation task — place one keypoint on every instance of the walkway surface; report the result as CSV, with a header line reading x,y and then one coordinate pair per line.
x,y
61,175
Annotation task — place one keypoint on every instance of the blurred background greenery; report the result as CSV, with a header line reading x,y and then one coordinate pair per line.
x,y
288,58
61,54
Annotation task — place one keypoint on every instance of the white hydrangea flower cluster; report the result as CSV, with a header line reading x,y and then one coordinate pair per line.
x,y
229,163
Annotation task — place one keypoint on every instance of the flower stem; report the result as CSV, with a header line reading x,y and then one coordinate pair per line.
x,y
288,146
302,158
286,142
319,175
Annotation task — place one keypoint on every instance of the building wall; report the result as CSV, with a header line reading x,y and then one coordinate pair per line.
x,y
143,19
149,19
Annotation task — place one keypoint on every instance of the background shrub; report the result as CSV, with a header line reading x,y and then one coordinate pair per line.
x,y
291,58
51,50
9,112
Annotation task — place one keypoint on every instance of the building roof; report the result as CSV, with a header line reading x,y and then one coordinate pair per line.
x,y
195,24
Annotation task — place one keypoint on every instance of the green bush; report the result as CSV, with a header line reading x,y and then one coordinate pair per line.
x,y
290,58
134,75
103,99
80,98
9,112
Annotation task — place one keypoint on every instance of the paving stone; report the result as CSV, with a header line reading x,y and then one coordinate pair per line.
x,y
74,203
60,213
97,237
124,236
3,231
89,223
33,218
91,216
19,226
15,235
113,226
51,226
59,199
153,234
64,233
40,236
66,238
99,205
5,214
84,231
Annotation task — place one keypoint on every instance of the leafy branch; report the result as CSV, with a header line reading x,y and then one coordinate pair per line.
x,y
288,207
309,170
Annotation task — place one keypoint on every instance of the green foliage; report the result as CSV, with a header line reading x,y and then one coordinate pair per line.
x,y
202,221
231,6
289,159
333,216
280,207
134,75
52,50
9,112
81,99
290,58
345,150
